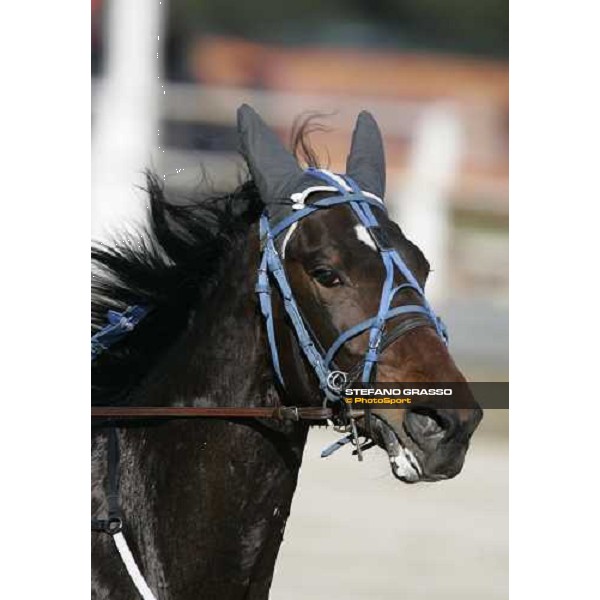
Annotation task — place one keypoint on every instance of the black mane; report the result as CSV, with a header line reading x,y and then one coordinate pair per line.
x,y
173,265
170,267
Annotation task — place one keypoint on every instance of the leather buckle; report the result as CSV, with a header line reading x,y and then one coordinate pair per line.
x,y
288,413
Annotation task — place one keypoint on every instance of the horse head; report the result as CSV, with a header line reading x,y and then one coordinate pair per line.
x,y
342,262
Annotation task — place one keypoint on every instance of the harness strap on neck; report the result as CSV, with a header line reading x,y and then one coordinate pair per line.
x,y
114,524
132,569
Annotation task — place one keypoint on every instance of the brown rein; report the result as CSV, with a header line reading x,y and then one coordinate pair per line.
x,y
279,413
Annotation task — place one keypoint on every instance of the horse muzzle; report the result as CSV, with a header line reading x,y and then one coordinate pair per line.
x,y
424,444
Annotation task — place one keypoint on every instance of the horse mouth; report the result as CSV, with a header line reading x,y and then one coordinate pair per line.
x,y
412,463
403,457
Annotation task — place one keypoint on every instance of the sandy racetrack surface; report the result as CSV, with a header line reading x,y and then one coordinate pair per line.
x,y
355,533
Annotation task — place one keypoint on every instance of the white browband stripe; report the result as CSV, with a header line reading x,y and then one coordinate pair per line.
x,y
299,199
132,568
343,183
337,178
372,196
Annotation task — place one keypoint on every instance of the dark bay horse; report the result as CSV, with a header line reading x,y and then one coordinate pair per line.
x,y
205,501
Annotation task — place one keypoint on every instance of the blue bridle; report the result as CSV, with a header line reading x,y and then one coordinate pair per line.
x,y
272,268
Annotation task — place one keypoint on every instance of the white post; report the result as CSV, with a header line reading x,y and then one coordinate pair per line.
x,y
127,117
421,205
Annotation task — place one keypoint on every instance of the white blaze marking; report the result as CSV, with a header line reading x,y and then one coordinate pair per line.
x,y
364,236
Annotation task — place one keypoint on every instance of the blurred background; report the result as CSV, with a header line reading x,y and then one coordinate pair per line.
x,y
167,78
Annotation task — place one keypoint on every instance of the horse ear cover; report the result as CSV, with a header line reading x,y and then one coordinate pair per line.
x,y
273,168
366,161
277,174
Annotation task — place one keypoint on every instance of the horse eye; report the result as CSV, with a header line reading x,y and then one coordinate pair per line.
x,y
326,277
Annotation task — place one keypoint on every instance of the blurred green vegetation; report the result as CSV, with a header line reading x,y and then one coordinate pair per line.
x,y
478,27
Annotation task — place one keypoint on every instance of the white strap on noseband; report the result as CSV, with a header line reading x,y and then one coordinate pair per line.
x,y
132,568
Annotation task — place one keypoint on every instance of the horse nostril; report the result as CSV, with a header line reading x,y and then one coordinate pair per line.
x,y
426,423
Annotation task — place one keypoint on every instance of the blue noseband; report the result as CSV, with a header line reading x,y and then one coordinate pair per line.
x,y
271,268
